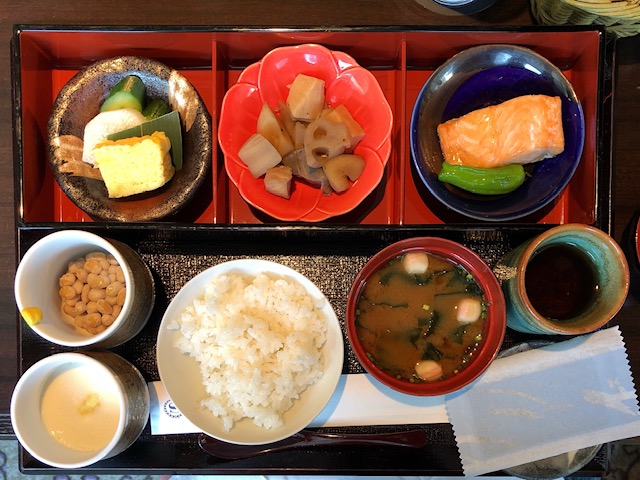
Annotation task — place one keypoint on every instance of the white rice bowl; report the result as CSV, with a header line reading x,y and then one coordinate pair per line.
x,y
250,351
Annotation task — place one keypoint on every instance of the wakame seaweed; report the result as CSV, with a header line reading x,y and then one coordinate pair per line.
x,y
459,332
411,278
430,323
431,352
414,335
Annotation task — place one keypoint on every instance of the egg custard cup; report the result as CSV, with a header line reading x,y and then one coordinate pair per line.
x,y
72,409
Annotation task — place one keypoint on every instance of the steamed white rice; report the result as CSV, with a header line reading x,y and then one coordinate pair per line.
x,y
258,342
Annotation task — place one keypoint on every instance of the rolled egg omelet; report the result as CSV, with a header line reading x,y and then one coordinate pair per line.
x,y
134,165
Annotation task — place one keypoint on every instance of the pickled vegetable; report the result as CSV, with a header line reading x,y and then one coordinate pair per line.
x,y
156,108
31,315
130,92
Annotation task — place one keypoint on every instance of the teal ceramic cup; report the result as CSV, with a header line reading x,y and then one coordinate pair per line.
x,y
569,280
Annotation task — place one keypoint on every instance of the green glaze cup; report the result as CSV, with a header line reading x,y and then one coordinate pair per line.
x,y
604,265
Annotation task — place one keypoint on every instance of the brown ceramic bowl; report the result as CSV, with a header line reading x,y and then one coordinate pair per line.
x,y
493,329
79,101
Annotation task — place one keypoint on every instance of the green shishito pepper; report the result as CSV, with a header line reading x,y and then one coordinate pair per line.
x,y
483,181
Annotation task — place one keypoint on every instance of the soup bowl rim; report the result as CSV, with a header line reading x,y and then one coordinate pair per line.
x,y
493,331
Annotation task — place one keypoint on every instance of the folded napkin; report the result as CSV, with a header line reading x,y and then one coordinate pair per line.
x,y
543,402
359,399
526,407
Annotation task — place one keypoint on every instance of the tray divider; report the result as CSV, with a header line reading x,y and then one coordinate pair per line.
x,y
400,152
217,160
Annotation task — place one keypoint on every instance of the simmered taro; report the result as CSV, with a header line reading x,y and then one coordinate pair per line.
x,y
421,317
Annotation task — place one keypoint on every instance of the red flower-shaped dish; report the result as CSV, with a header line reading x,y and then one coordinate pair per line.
x,y
346,83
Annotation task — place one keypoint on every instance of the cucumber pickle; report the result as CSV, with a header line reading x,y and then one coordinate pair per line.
x,y
130,92
156,108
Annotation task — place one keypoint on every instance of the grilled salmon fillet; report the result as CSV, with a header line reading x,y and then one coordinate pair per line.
x,y
522,130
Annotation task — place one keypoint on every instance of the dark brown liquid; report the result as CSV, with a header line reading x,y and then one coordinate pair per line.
x,y
560,282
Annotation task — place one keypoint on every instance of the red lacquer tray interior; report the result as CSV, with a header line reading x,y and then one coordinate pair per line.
x,y
212,60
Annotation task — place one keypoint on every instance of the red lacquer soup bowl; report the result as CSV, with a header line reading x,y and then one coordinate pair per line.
x,y
464,278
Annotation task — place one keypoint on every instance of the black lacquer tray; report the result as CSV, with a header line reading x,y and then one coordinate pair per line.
x,y
330,257
218,226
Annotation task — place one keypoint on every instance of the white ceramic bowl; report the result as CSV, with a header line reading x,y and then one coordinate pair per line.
x,y
108,375
37,285
181,376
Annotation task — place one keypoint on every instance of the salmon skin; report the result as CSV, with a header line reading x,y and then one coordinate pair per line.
x,y
522,130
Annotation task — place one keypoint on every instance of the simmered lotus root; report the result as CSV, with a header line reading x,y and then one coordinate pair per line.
x,y
324,139
93,291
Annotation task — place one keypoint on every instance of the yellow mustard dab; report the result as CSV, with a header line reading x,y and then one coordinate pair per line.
x,y
31,315
89,404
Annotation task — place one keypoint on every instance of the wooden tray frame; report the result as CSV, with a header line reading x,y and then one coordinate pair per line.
x,y
178,248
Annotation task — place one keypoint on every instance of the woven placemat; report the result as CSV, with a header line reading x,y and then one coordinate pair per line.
x,y
621,17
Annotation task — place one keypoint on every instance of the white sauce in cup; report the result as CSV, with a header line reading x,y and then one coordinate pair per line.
x,y
79,410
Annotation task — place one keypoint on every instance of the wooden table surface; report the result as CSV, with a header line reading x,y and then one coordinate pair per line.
x,y
290,13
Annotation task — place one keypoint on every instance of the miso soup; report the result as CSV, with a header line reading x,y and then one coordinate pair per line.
x,y
421,317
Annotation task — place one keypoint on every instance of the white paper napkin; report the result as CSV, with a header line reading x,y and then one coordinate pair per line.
x,y
526,407
543,402
359,399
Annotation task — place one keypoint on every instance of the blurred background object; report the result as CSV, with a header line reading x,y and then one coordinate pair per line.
x,y
621,17
456,7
